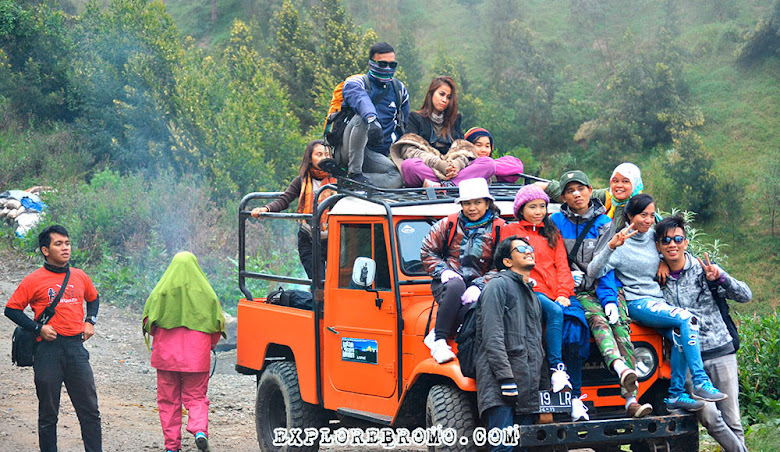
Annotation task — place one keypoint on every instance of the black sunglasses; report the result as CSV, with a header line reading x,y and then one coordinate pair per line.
x,y
678,239
385,64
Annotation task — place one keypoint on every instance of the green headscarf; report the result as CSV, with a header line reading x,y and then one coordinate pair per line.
x,y
183,297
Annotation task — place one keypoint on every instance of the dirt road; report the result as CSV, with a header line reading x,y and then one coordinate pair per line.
x,y
126,384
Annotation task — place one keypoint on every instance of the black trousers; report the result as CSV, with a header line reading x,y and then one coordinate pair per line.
x,y
451,311
65,360
305,253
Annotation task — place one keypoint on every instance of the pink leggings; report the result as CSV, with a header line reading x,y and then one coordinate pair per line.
x,y
415,171
175,389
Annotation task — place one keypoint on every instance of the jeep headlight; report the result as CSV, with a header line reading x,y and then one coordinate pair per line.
x,y
646,361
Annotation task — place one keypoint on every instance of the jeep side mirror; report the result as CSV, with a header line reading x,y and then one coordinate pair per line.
x,y
363,272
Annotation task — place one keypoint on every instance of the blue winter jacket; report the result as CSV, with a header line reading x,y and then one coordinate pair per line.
x,y
385,109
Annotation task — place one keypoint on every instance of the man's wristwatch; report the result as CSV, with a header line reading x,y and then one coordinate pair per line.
x,y
91,319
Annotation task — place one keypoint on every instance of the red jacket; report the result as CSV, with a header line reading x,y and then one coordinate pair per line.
x,y
551,273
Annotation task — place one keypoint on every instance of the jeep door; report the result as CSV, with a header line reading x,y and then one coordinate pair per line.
x,y
360,339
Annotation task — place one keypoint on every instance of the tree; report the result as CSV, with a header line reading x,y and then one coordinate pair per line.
x,y
772,189
296,64
37,46
234,120
689,166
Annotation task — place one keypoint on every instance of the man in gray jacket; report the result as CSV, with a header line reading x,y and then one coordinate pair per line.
x,y
693,285
510,359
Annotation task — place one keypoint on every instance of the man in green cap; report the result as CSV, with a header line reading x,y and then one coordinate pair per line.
x,y
586,229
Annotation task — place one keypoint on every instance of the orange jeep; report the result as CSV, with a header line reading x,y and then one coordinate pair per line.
x,y
358,357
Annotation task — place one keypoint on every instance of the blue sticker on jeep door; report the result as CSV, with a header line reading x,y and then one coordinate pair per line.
x,y
359,350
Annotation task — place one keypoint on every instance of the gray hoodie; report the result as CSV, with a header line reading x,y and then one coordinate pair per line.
x,y
691,291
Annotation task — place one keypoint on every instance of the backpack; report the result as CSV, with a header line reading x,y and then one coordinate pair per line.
x,y
723,307
339,114
298,299
467,342
452,221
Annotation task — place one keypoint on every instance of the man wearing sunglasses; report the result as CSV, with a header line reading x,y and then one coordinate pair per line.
x,y
381,104
694,284
509,320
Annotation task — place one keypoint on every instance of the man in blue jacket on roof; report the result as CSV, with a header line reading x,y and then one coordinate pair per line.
x,y
381,103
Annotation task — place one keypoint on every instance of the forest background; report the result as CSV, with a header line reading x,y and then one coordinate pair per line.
x,y
150,120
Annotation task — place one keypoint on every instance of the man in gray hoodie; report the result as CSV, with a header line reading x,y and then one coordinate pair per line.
x,y
693,284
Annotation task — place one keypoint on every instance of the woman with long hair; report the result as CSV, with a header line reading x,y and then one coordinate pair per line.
x,y
632,254
433,149
555,290
310,178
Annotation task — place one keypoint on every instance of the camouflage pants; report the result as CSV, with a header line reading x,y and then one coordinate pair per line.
x,y
614,341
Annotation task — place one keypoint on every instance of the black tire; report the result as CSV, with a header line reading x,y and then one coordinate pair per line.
x,y
279,405
450,407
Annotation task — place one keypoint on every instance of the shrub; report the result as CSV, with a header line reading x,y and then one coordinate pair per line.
x,y
759,367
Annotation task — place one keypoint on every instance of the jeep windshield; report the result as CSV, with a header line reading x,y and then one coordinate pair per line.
x,y
410,236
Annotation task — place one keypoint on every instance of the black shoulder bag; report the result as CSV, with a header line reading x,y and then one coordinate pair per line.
x,y
723,307
23,343
580,238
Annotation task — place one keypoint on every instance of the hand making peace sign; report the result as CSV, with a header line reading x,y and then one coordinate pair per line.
x,y
711,271
620,237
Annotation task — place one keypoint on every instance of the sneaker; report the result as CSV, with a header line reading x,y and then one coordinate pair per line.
x,y
707,392
628,380
441,352
427,183
331,166
559,378
637,410
430,339
683,402
579,412
202,442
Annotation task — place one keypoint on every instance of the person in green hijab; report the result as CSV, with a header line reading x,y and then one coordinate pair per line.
x,y
185,318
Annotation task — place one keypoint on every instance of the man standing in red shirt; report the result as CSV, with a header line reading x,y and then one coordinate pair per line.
x,y
60,356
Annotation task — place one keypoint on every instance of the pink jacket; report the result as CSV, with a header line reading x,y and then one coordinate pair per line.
x,y
182,349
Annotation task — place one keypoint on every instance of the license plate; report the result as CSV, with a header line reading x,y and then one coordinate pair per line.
x,y
554,402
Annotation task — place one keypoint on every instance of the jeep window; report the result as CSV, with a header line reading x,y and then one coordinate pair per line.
x,y
410,238
363,240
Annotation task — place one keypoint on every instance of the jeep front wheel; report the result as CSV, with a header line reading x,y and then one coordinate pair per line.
x,y
449,407
279,406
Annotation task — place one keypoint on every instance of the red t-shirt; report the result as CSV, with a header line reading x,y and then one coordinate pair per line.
x,y
40,288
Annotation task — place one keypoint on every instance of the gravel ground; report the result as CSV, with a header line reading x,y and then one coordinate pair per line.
x,y
127,388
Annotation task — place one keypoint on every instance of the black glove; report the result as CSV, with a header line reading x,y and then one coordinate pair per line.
x,y
375,133
509,392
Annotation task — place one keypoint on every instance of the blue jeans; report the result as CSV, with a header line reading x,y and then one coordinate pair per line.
x,y
682,328
504,416
553,337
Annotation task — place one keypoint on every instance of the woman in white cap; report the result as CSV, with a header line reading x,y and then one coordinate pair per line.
x,y
457,250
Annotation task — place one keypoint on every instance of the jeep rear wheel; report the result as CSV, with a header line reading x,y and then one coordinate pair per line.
x,y
279,405
450,407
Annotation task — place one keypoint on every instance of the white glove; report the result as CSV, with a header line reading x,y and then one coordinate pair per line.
x,y
578,277
447,275
470,295
613,315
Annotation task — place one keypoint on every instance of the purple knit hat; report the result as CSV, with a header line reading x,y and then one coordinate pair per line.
x,y
526,194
